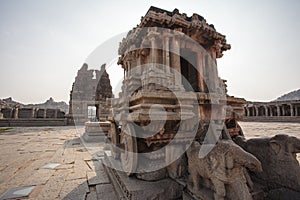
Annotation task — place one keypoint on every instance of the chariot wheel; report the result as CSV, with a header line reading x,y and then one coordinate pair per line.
x,y
129,156
115,141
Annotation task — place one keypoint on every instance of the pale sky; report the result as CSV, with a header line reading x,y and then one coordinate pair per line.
x,y
44,43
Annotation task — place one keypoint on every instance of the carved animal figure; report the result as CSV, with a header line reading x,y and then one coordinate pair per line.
x,y
223,165
278,158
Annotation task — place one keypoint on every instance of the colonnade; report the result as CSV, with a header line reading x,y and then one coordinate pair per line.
x,y
286,108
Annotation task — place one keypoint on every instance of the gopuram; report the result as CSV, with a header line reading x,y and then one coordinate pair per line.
x,y
91,88
174,131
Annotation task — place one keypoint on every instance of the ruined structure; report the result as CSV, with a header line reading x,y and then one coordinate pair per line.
x,y
91,88
44,114
32,117
273,111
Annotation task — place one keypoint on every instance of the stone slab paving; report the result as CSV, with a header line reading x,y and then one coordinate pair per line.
x,y
79,175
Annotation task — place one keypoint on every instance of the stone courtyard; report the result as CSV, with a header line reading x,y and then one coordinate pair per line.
x,y
25,152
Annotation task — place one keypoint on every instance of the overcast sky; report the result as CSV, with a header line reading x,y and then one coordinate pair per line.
x,y
44,43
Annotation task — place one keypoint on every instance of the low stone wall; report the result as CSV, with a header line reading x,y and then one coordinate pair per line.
x,y
272,119
32,122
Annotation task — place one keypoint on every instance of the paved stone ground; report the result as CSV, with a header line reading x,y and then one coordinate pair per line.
x,y
80,176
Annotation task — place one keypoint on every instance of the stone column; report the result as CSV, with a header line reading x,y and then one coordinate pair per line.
x,y
271,111
16,113
200,74
256,110
167,54
283,110
11,113
248,111
45,113
139,62
128,69
55,113
153,54
266,111
278,110
292,110
33,113
176,61
296,110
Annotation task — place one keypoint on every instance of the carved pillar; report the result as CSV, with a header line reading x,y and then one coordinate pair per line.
x,y
296,110
166,56
138,63
153,54
176,61
200,74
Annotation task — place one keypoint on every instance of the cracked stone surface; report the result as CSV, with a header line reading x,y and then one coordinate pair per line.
x,y
26,151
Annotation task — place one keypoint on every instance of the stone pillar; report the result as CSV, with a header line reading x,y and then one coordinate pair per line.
x,y
176,61
266,111
283,110
55,113
128,69
33,113
45,113
11,113
138,63
271,111
256,110
153,54
296,110
167,54
1,115
16,113
200,74
292,110
278,110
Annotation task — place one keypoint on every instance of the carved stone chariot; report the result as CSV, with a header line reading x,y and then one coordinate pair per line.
x,y
173,123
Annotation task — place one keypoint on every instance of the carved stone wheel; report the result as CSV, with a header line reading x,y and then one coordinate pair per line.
x,y
115,152
129,157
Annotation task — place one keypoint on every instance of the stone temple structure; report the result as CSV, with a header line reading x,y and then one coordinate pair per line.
x,y
174,130
288,111
90,89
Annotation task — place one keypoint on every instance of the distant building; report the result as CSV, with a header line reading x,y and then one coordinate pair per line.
x,y
272,111
89,92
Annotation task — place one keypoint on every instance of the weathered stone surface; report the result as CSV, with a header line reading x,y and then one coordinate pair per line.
x,y
74,189
25,150
92,195
91,88
224,164
105,191
278,157
98,177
